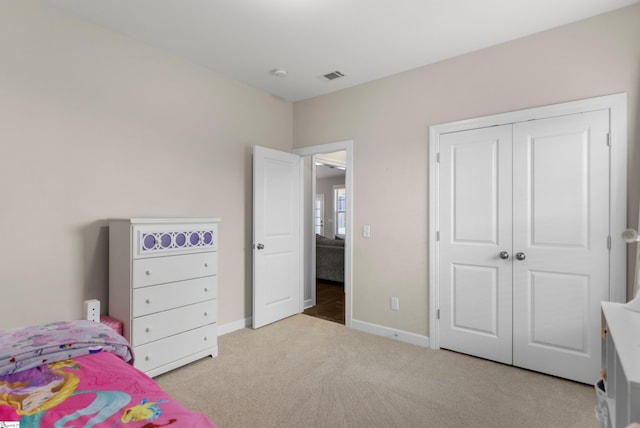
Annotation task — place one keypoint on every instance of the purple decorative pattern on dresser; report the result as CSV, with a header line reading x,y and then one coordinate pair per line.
x,y
148,242
194,238
165,240
181,239
161,241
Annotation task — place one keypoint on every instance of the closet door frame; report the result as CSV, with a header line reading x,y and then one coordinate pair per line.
x,y
617,106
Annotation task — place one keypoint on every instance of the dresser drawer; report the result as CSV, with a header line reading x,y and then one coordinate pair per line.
x,y
156,326
161,352
160,270
149,300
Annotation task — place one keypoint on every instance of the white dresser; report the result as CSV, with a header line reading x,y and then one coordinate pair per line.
x,y
163,286
621,365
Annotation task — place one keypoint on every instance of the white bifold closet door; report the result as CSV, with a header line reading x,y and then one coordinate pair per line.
x,y
524,250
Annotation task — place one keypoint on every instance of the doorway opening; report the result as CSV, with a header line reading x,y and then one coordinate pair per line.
x,y
329,219
327,230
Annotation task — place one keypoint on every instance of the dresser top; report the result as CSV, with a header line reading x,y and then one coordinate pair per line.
x,y
166,220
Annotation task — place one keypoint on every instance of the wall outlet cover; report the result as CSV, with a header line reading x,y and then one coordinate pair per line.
x,y
92,310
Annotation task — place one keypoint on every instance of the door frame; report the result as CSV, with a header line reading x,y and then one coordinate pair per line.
x,y
308,231
617,106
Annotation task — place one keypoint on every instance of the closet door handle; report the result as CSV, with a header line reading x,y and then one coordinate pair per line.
x,y
504,255
521,256
260,247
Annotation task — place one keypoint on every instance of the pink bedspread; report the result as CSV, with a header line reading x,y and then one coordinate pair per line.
x,y
93,390
85,381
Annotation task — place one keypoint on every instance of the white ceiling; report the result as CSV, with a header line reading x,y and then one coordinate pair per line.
x,y
329,165
324,171
365,39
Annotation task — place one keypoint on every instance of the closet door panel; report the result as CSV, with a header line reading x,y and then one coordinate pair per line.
x,y
553,293
561,228
475,227
557,185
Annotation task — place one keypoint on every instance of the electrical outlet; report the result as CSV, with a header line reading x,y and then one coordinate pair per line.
x,y
395,304
92,310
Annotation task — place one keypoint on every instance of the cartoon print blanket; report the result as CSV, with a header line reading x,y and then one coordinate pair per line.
x,y
92,388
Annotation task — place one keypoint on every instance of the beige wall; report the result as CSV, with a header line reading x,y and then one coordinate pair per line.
x,y
96,126
388,121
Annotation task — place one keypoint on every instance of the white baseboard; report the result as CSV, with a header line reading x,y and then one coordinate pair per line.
x,y
234,326
391,333
378,330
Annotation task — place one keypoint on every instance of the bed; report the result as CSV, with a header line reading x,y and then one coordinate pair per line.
x,y
80,374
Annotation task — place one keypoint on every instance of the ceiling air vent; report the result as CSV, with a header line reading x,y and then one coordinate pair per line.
x,y
333,75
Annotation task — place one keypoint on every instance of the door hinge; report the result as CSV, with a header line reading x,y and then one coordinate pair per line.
x,y
609,242
609,139
437,314
438,157
437,236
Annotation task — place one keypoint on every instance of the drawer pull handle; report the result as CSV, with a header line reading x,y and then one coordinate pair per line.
x,y
148,272
148,329
147,358
206,265
205,314
206,290
148,300
205,338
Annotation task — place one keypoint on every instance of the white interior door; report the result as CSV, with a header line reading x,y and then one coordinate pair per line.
x,y
561,242
277,254
475,227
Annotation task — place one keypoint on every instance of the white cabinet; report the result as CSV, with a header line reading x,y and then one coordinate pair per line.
x,y
163,286
621,363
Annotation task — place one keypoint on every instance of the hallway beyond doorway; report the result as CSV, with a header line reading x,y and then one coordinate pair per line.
x,y
329,301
